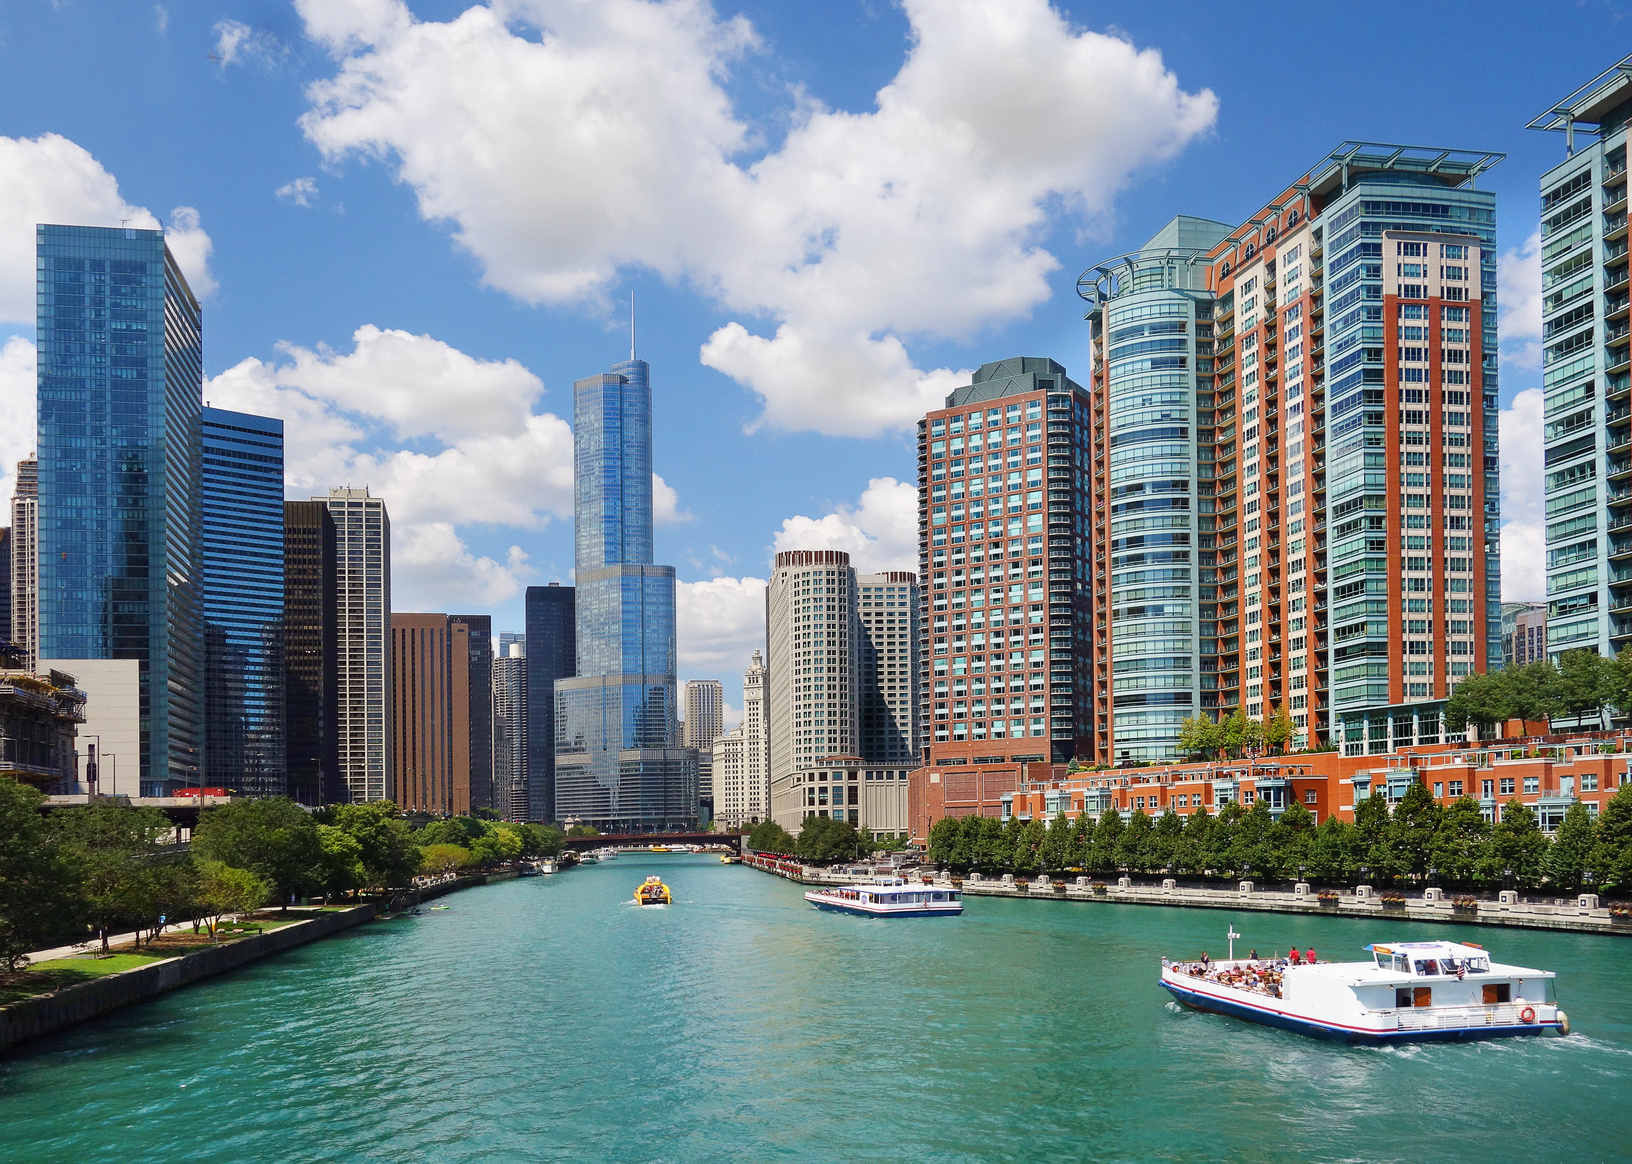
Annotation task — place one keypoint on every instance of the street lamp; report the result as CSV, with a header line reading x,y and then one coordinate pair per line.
x,y
90,762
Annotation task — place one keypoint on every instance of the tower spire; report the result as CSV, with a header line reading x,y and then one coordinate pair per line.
x,y
631,325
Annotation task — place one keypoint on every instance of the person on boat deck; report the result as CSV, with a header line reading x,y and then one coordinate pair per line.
x,y
1293,956
1310,956
1206,961
1254,954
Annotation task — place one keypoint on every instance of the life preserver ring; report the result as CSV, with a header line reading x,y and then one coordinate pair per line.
x,y
1527,1015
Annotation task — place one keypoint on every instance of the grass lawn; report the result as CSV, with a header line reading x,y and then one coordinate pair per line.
x,y
44,977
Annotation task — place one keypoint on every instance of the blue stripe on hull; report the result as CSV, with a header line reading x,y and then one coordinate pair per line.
x,y
835,908
1337,1034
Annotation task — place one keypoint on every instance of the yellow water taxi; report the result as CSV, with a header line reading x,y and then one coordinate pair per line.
x,y
652,891
661,849
730,859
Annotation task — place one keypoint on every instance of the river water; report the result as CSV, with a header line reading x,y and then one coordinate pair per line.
x,y
548,1019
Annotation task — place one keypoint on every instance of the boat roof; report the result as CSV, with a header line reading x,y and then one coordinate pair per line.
x,y
1429,949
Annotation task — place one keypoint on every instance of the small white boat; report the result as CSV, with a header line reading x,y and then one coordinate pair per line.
x,y
1407,992
889,898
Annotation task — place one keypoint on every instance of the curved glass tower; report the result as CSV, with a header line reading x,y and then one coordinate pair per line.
x,y
1148,310
617,762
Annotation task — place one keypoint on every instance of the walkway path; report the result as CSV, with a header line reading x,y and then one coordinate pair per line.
x,y
91,945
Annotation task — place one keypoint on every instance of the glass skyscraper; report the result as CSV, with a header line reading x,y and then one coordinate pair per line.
x,y
120,392
616,754
242,522
551,654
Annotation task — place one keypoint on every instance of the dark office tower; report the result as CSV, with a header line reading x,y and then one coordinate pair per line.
x,y
430,697
552,654
120,391
479,631
242,518
309,665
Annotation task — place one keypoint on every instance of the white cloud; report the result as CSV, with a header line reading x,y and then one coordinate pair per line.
x,y
720,623
880,532
859,233
666,504
17,412
431,569
1518,281
236,43
301,191
483,456
51,179
1524,526
161,18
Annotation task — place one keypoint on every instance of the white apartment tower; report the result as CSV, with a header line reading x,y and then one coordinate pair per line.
x,y
510,731
843,690
705,713
362,620
25,562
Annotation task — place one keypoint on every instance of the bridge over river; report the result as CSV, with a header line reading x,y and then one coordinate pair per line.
x,y
646,840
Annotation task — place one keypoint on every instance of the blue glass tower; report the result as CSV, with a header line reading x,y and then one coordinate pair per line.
x,y
120,392
242,522
617,762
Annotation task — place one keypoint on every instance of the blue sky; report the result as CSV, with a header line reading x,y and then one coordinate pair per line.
x,y
420,223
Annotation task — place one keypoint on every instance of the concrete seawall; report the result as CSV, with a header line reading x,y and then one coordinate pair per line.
x,y
33,1017
1583,916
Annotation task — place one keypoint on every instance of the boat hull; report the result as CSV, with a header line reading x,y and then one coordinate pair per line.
x,y
1304,1025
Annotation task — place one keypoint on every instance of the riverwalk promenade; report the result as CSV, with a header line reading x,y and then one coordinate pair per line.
x,y
1583,915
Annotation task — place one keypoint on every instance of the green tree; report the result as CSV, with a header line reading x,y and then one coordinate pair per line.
x,y
1459,843
440,858
1610,860
765,837
1586,681
1105,856
112,845
1028,839
1200,735
389,856
1237,733
1480,699
273,838
165,892
223,890
583,830
993,847
1250,850
1133,846
1082,841
443,832
1567,856
1370,827
39,883
1192,849
1532,691
1516,843
498,844
944,835
1290,838
543,840
342,861
1332,849
1164,840
1278,730
1220,856
1055,851
823,839
1411,832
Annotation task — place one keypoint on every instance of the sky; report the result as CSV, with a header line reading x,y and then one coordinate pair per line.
x,y
413,225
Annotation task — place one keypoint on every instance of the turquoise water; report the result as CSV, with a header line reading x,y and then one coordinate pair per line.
x,y
547,1019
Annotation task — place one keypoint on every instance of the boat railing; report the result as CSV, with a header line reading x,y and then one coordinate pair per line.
x,y
1437,1017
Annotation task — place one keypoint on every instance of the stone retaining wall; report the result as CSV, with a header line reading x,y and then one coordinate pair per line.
x,y
33,1017
1584,916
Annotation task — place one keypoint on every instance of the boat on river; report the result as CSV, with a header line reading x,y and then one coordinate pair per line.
x,y
1406,992
730,859
892,897
652,891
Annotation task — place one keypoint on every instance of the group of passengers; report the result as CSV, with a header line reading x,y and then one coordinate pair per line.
x,y
1260,975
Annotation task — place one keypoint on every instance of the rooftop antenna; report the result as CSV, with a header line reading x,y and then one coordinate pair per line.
x,y
631,325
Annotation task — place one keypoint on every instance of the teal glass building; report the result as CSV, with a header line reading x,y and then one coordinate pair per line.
x,y
120,395
242,525
617,759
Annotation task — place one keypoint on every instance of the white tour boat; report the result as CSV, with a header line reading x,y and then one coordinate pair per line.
x,y
889,898
1407,992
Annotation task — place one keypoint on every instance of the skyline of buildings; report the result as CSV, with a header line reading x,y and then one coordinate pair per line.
x,y
1279,490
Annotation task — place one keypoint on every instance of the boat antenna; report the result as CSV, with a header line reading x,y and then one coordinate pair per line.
x,y
1233,935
